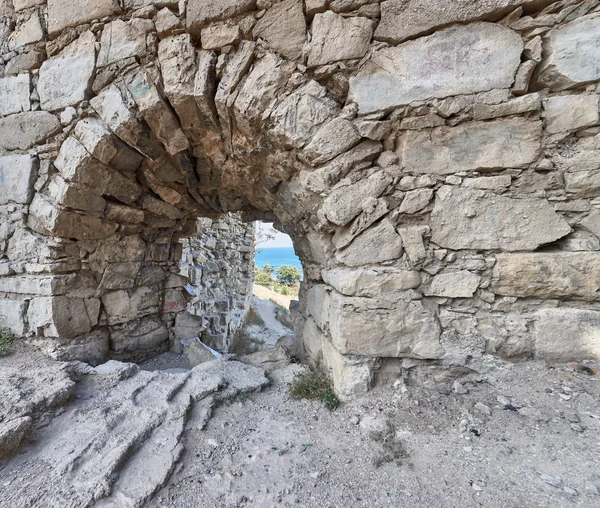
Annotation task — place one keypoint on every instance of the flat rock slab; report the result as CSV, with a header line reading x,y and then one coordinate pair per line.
x,y
470,219
459,60
66,13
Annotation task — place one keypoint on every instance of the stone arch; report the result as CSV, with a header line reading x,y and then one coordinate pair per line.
x,y
418,163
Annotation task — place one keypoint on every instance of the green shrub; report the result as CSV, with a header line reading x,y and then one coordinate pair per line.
x,y
5,339
263,279
288,275
313,385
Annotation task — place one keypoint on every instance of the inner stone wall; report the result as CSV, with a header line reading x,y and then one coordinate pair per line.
x,y
218,261
435,163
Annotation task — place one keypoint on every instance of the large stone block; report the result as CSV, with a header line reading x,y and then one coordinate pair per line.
x,y
474,146
14,94
135,337
284,27
13,316
65,13
200,12
406,19
123,306
376,245
458,284
571,52
17,178
335,38
375,327
25,130
122,40
385,283
564,335
571,112
61,316
66,79
562,275
470,219
459,60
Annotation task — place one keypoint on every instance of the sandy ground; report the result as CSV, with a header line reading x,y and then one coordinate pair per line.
x,y
267,294
272,329
538,446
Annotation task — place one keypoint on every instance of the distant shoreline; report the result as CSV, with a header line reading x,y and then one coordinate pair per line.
x,y
277,256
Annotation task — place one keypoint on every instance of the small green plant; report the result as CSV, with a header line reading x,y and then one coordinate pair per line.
x,y
5,339
313,385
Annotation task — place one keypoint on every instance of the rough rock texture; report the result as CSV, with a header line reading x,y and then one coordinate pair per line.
x,y
417,152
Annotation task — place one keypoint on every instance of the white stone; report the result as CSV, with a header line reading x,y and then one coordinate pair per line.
x,y
17,178
200,12
29,32
66,13
470,219
14,94
571,112
385,283
474,146
458,284
12,316
218,35
335,38
284,27
378,244
121,40
415,201
65,79
459,60
572,51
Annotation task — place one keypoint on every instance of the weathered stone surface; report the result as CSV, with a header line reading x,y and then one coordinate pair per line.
x,y
412,239
335,38
418,70
571,112
570,54
333,139
474,146
415,201
284,27
124,306
378,244
14,94
467,219
347,199
384,283
496,183
122,40
218,35
373,327
459,284
65,13
200,12
520,105
405,19
65,79
13,316
564,275
583,184
62,316
29,32
17,177
564,335
25,130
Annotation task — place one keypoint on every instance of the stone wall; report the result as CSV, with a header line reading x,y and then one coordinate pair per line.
x,y
435,163
218,261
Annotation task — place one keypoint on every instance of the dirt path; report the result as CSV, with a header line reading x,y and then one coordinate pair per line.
x,y
271,329
267,294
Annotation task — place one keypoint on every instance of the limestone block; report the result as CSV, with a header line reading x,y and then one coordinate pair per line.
x,y
120,275
61,316
583,184
20,5
412,239
518,106
469,219
65,13
302,113
129,248
166,22
218,35
13,316
25,130
28,32
406,19
76,165
570,53
261,87
376,245
497,183
200,12
375,327
474,146
333,139
284,27
335,38
317,304
74,196
351,376
564,335
415,201
347,199
174,300
571,112
17,178
121,40
458,284
486,56
564,275
123,306
136,336
384,283
65,79
14,94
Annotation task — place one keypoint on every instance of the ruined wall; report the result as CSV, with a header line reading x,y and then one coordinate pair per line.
x,y
218,261
435,163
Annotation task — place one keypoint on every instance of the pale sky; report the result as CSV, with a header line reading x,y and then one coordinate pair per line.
x,y
280,240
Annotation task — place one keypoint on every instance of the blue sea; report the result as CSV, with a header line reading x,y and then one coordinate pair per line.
x,y
277,256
